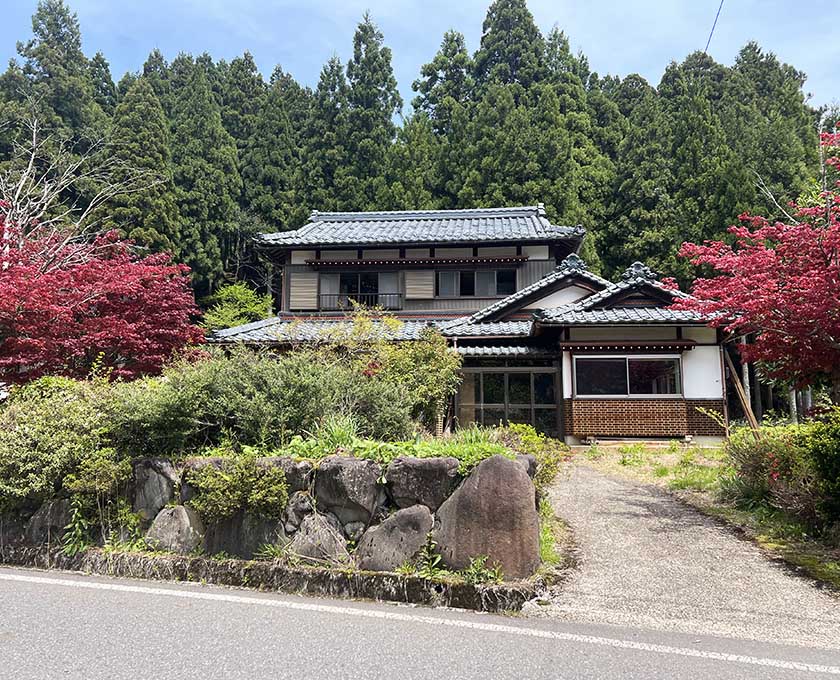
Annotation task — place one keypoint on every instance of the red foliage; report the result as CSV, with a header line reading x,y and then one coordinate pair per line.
x,y
780,283
64,302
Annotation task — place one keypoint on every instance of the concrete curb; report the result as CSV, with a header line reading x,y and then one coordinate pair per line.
x,y
274,576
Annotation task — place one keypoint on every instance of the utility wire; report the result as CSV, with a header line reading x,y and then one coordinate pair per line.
x,y
712,32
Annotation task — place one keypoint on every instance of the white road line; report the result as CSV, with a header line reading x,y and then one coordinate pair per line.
x,y
435,621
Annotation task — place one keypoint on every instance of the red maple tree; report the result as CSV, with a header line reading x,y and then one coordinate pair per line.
x,y
66,302
779,283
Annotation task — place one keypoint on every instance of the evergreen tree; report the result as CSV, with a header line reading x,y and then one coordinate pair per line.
x,y
104,91
642,215
512,48
242,97
591,173
156,72
125,83
59,74
297,101
270,165
410,180
445,82
324,157
207,180
141,140
373,101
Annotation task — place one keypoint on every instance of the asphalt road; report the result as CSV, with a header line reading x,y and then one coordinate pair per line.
x,y
59,625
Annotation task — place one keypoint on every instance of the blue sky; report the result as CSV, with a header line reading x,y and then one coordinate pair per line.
x,y
619,37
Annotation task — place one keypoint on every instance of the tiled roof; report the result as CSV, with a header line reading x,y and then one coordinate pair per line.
x,y
424,227
635,276
576,314
463,328
285,330
501,351
572,266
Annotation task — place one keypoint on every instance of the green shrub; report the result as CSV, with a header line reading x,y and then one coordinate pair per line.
x,y
256,397
823,446
47,430
234,305
238,484
778,469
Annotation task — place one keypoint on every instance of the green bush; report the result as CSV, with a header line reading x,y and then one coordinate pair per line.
x,y
778,470
234,305
238,484
47,430
255,397
823,445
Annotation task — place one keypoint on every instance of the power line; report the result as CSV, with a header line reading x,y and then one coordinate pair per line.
x,y
712,32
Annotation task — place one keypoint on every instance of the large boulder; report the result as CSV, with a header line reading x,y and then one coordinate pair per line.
x,y
396,541
192,465
155,482
319,539
177,529
298,507
49,521
12,529
492,513
427,481
348,488
243,535
298,472
529,462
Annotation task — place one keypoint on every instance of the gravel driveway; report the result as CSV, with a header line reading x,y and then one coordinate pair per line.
x,y
648,560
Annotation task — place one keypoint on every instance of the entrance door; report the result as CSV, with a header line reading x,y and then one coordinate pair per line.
x,y
494,396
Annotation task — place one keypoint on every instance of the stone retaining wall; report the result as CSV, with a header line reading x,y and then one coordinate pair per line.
x,y
342,512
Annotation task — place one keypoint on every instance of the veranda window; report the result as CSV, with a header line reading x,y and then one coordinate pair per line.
x,y
628,376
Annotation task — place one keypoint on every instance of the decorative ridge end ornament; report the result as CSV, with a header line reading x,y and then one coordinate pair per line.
x,y
574,263
637,270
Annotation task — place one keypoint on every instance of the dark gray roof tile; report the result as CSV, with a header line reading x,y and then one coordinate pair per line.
x,y
424,227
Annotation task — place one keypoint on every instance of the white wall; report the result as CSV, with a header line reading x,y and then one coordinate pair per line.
x,y
567,375
559,297
618,333
702,373
700,334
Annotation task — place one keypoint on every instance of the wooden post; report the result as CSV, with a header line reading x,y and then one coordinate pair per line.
x,y
742,397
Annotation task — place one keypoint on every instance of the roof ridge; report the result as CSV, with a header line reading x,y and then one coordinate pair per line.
x,y
350,216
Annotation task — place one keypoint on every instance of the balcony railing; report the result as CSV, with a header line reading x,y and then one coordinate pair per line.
x,y
343,301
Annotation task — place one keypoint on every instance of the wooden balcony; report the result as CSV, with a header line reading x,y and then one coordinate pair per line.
x,y
347,301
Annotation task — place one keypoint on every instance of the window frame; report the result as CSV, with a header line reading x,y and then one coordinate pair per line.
x,y
459,272
679,394
532,407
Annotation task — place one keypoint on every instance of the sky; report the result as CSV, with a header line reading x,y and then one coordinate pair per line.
x,y
618,36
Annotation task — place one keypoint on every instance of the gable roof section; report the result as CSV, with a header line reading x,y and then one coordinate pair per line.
x,y
425,227
600,308
636,278
570,270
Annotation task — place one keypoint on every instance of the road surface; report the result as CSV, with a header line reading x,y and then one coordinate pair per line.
x,y
60,625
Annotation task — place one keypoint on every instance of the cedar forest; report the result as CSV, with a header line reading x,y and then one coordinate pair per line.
x,y
522,120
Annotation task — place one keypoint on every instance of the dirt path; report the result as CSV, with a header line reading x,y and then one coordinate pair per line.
x,y
648,560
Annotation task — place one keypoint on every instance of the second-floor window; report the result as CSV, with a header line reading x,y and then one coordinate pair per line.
x,y
372,289
481,283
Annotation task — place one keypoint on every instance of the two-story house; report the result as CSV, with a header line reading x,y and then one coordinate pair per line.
x,y
544,340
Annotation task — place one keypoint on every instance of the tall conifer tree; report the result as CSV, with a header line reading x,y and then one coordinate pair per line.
x,y
208,182
373,102
141,140
270,165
